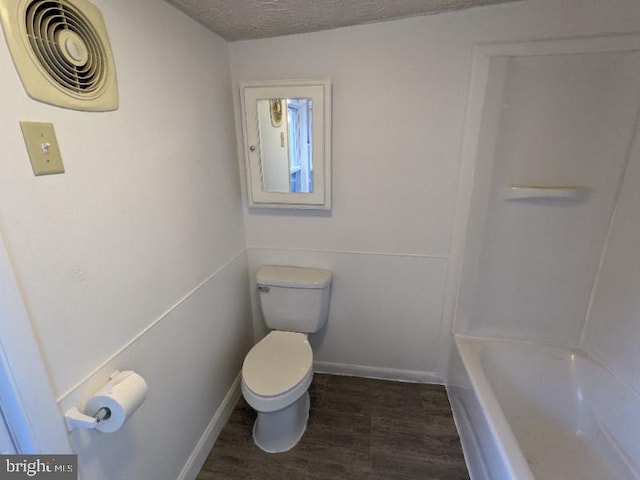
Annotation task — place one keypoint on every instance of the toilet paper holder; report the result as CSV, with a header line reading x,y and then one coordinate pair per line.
x,y
74,418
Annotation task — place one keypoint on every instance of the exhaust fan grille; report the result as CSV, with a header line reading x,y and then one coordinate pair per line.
x,y
61,51
67,47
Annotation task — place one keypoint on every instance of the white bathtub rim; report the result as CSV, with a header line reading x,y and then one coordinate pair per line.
x,y
536,343
473,454
476,344
576,350
501,431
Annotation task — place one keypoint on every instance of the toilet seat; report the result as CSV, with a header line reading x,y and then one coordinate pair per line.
x,y
277,370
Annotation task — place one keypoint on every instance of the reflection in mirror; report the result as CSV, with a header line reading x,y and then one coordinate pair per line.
x,y
286,144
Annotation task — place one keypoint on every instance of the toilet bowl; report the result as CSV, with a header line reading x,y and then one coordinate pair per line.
x,y
276,375
278,370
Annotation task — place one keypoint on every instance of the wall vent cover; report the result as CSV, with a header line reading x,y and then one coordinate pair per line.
x,y
61,52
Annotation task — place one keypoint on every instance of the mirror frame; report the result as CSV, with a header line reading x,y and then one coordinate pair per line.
x,y
320,93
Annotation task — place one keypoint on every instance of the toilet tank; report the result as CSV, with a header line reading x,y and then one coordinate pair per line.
x,y
294,299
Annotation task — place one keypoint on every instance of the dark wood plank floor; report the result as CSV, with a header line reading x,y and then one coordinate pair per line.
x,y
358,428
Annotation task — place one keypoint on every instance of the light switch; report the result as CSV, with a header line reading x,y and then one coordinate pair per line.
x,y
42,146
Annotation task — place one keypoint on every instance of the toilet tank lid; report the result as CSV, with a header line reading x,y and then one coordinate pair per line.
x,y
294,277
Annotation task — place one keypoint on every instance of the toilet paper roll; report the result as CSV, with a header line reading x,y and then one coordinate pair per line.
x,y
124,393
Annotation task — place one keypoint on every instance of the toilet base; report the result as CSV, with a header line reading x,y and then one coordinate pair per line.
x,y
280,431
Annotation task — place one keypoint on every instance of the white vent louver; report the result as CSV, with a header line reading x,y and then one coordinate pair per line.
x,y
61,52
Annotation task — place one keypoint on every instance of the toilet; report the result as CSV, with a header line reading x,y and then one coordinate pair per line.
x,y
278,370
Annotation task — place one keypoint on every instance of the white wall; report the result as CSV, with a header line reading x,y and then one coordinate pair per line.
x,y
134,258
561,120
612,331
399,96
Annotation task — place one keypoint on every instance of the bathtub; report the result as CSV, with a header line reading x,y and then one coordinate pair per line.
x,y
527,411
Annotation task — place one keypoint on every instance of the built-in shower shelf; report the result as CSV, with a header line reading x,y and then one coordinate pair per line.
x,y
535,192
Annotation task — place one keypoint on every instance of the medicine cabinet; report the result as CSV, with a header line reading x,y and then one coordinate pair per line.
x,y
287,143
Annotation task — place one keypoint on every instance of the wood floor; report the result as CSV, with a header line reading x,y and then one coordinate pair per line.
x,y
358,429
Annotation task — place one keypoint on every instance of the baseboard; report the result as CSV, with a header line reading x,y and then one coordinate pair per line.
x,y
381,373
210,435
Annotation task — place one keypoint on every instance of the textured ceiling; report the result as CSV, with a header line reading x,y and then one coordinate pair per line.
x,y
247,19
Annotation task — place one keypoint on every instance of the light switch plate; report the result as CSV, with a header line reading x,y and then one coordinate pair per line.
x,y
42,146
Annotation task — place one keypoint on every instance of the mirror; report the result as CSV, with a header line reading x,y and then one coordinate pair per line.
x,y
287,144
285,129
